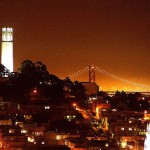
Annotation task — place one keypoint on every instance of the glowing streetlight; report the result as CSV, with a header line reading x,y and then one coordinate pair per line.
x,y
74,104
34,91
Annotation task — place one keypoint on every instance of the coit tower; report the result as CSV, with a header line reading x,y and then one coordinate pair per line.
x,y
7,48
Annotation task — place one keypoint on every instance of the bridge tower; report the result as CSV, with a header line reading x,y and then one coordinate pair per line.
x,y
91,74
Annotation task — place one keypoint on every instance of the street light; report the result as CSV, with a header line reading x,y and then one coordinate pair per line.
x,y
35,91
74,105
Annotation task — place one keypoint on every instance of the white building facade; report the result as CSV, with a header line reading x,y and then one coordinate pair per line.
x,y
7,48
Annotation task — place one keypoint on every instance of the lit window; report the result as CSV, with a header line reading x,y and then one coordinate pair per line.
x,y
145,112
130,147
123,144
11,38
23,131
130,129
4,38
8,37
122,129
38,133
47,107
58,137
8,29
30,139
4,29
114,110
11,131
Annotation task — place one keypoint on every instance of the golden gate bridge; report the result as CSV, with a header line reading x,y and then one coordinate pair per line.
x,y
107,81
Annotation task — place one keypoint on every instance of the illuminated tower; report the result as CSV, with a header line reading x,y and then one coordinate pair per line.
x,y
7,48
147,139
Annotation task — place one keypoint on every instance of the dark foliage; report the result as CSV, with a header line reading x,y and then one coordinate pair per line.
x,y
33,82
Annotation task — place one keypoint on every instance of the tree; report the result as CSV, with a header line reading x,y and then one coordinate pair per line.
x,y
3,69
4,91
102,94
41,71
26,68
52,87
40,67
36,75
68,87
79,93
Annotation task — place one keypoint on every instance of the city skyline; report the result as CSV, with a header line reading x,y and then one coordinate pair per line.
x,y
69,35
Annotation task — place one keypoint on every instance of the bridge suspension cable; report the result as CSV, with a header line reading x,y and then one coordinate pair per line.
x,y
76,74
121,79
108,74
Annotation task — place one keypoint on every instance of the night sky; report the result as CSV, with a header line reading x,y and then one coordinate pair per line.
x,y
69,35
